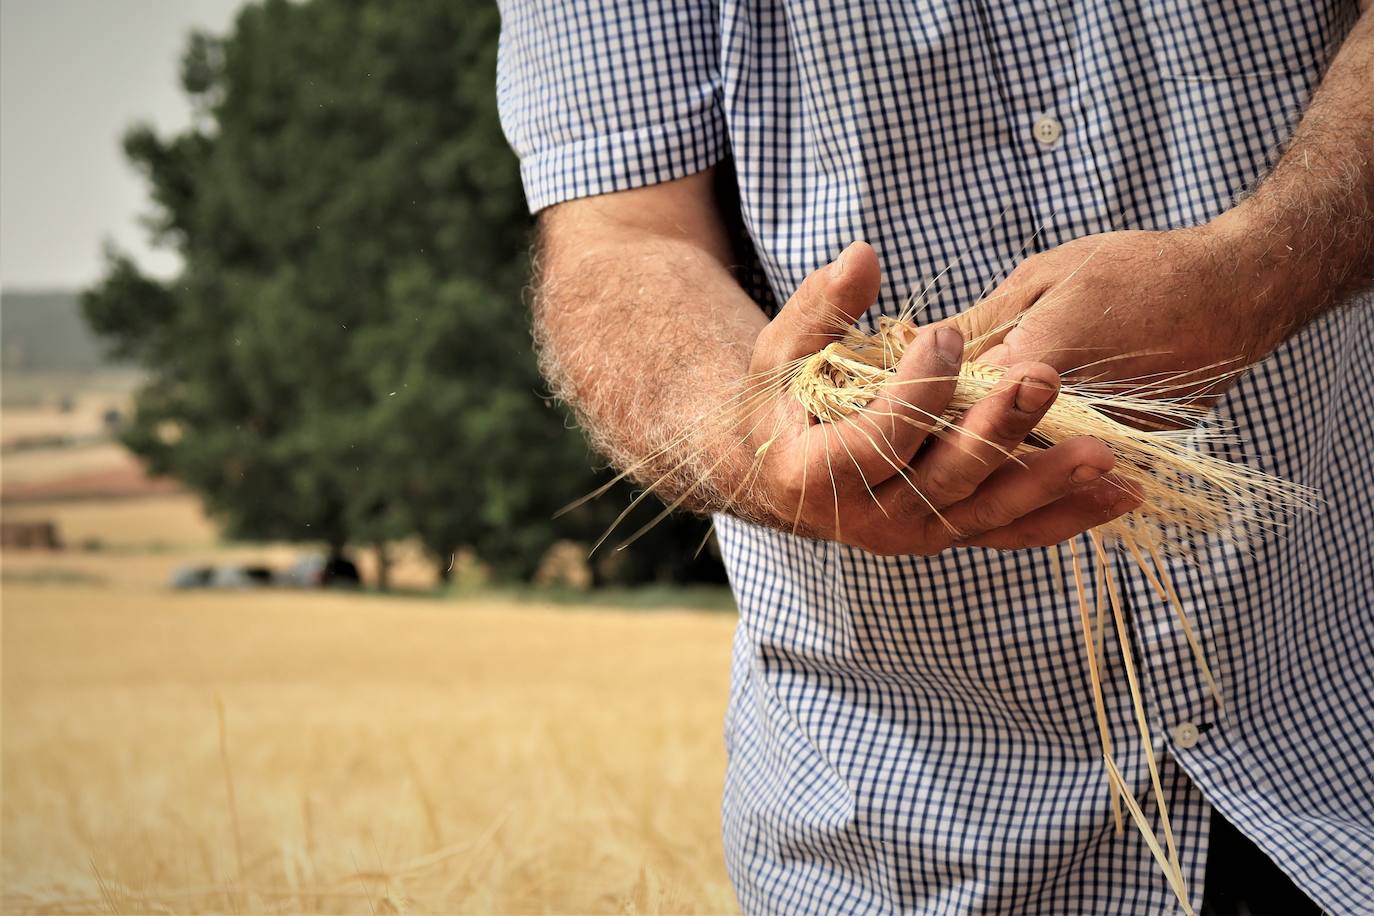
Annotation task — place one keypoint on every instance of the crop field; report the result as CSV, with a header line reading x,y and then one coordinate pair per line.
x,y
280,751
161,523
376,755
47,463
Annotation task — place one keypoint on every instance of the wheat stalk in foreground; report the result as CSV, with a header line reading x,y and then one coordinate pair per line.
x,y
1186,494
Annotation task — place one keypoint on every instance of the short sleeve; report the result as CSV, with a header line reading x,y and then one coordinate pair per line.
x,y
606,96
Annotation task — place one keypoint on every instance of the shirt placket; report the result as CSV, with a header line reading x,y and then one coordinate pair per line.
x,y
1183,708
1048,105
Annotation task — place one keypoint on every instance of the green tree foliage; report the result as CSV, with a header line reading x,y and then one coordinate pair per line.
x,y
345,356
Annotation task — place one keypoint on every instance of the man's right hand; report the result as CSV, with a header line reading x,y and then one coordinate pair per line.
x,y
880,480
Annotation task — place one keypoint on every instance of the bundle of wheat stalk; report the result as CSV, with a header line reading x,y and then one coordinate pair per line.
x,y
1186,494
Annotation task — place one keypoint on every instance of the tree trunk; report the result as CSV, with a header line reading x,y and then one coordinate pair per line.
x,y
443,566
383,566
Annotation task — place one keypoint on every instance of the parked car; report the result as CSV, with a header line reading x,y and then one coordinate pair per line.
x,y
241,577
311,571
315,571
193,577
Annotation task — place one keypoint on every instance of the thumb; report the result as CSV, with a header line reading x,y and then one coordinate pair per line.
x,y
826,305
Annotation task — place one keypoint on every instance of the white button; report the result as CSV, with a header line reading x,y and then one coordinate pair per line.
x,y
1185,735
1047,130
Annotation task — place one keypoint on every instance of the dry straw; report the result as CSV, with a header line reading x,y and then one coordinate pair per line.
x,y
1185,492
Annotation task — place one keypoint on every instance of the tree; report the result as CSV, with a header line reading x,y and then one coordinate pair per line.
x,y
344,357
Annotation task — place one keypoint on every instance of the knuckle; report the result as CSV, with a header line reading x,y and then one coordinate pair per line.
x,y
802,293
1027,267
900,504
987,514
1026,273
1052,487
813,284
1024,540
810,299
1008,427
948,482
907,503
936,536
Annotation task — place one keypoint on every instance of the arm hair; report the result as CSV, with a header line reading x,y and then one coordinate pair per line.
x,y
642,329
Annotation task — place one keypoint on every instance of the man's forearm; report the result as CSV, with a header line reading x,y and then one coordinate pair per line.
x,y
1309,225
643,329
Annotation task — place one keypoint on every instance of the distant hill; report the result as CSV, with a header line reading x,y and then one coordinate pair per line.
x,y
44,331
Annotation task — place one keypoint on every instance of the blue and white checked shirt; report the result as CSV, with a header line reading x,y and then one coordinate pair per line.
x,y
918,733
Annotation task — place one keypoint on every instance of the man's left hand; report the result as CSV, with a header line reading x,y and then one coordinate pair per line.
x,y
1179,307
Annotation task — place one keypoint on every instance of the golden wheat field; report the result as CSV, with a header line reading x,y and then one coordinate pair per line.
x,y
288,751
378,755
154,523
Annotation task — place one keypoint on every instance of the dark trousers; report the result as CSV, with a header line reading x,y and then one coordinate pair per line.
x,y
1243,881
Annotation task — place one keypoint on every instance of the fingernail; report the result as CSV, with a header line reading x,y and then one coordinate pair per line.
x,y
841,263
950,343
1032,394
1085,473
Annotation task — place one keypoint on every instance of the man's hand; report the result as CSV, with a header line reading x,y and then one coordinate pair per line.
x,y
1202,301
879,480
1180,308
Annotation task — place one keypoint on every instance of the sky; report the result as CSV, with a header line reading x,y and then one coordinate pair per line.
x,y
74,75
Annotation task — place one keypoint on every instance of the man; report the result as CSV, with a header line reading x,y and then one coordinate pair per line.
x,y
910,726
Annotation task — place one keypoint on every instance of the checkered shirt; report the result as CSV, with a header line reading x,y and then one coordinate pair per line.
x,y
917,734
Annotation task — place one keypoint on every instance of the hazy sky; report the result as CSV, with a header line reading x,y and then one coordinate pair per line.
x,y
74,74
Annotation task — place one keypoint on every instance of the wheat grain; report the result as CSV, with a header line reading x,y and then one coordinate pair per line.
x,y
1185,492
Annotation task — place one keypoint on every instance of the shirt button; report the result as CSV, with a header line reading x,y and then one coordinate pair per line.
x,y
1047,130
1185,735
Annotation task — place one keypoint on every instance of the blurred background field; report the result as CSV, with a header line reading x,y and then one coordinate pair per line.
x,y
485,749
383,756
311,355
